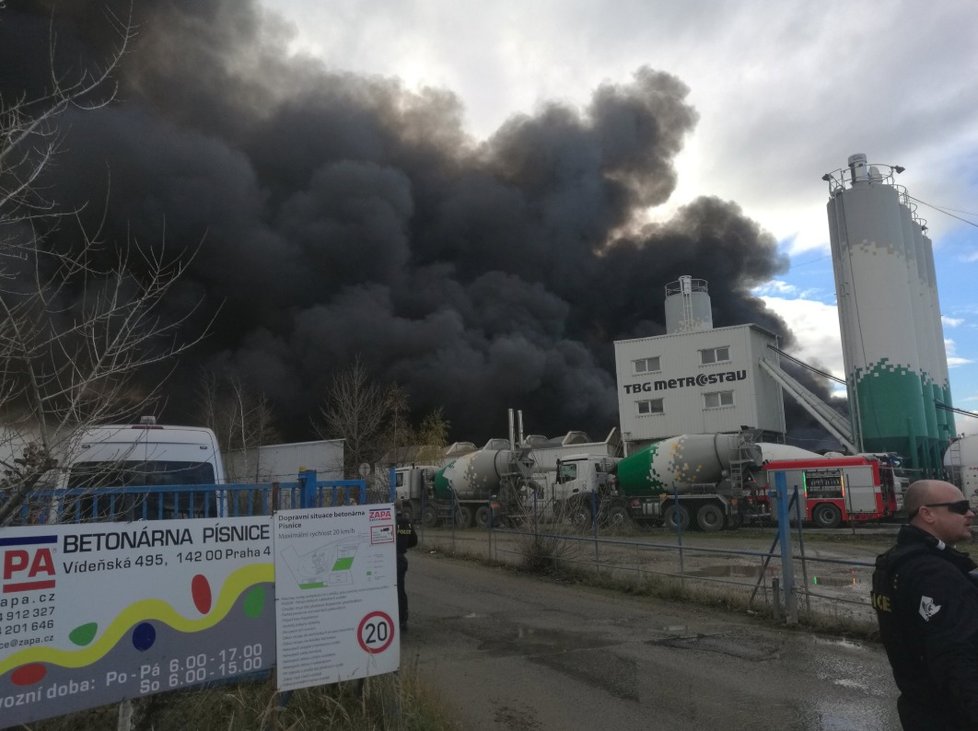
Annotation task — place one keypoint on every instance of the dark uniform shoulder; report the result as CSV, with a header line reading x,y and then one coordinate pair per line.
x,y
406,536
915,552
899,554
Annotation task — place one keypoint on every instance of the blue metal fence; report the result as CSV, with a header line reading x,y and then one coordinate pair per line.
x,y
149,502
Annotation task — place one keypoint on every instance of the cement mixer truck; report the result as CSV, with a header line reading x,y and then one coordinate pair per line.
x,y
691,479
478,488
716,481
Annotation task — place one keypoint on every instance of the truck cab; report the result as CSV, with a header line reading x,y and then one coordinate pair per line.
x,y
836,490
579,481
414,486
582,473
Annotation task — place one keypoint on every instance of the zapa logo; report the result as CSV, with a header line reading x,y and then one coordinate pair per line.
x,y
27,564
380,514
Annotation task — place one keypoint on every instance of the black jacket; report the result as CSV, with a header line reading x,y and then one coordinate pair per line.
x,y
406,537
926,602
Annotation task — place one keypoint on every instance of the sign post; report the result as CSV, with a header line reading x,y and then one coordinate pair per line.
x,y
784,536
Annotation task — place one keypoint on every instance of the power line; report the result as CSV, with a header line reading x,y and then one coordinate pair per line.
x,y
959,210
945,211
795,265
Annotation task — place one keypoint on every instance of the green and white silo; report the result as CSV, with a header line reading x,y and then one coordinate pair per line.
x,y
923,325
877,312
942,383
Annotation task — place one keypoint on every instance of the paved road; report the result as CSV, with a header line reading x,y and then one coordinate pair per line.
x,y
516,652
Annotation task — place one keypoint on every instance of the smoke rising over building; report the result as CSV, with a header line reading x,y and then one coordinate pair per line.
x,y
341,215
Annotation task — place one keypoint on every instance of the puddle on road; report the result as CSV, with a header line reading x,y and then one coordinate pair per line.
x,y
751,649
676,629
525,640
535,640
591,660
842,643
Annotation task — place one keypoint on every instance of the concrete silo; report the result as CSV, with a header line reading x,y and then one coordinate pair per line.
x,y
941,384
882,275
923,317
687,305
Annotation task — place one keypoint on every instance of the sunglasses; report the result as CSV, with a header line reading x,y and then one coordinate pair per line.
x,y
958,506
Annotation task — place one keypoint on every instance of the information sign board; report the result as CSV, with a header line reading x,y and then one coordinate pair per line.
x,y
335,594
94,613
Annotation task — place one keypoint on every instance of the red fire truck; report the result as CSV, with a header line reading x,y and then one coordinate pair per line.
x,y
833,491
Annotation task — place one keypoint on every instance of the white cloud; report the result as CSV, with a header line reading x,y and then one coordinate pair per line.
x,y
775,287
816,329
900,84
951,322
788,290
953,359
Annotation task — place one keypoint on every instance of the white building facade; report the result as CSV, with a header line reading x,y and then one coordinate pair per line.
x,y
697,382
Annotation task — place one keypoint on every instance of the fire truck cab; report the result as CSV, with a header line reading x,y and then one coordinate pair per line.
x,y
834,491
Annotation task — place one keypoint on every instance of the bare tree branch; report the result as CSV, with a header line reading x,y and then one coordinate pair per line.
x,y
241,418
75,330
355,410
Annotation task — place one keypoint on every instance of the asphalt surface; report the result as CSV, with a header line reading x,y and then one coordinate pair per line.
x,y
510,651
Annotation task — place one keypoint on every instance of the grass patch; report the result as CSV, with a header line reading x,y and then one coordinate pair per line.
x,y
670,587
546,553
391,702
566,559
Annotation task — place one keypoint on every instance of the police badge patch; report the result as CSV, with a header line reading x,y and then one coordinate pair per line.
x,y
927,608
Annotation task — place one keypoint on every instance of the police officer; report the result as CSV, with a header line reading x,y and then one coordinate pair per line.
x,y
406,538
925,593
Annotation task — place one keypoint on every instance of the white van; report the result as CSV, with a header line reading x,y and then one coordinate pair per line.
x,y
146,454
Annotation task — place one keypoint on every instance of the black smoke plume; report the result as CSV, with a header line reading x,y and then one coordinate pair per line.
x,y
344,215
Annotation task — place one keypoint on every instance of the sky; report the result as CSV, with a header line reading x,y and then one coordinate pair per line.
x,y
784,93
474,201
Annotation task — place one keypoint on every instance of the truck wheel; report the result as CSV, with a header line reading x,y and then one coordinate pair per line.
x,y
463,516
709,518
734,521
580,516
826,515
558,511
413,510
617,517
483,516
676,516
429,516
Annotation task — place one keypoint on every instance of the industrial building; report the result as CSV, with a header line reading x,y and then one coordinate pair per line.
x,y
696,379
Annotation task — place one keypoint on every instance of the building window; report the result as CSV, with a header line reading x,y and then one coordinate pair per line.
x,y
715,355
650,406
647,365
716,399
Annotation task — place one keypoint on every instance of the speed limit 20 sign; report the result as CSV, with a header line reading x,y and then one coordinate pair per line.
x,y
375,632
